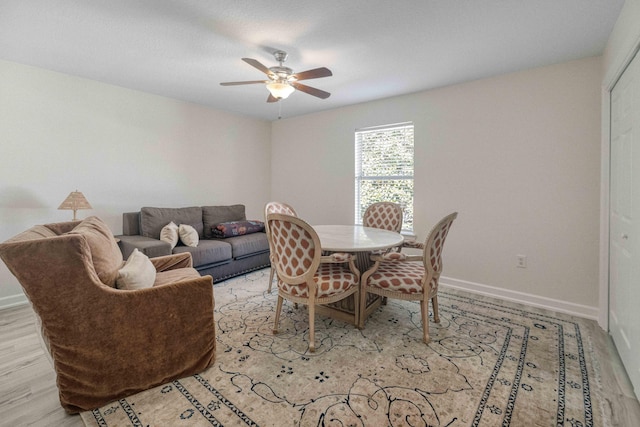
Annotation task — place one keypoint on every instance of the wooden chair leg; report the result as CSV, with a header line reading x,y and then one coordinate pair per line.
x,y
271,278
434,304
424,311
312,328
278,310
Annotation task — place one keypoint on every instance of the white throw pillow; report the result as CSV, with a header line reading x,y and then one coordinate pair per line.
x,y
137,273
169,234
188,235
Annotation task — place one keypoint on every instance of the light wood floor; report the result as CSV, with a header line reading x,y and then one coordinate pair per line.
x,y
29,397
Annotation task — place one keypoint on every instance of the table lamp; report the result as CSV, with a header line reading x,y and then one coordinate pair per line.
x,y
74,201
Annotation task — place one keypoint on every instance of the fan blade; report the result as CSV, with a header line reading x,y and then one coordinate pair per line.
x,y
257,64
250,82
316,73
311,90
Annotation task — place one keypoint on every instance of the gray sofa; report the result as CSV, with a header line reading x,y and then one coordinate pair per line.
x,y
220,258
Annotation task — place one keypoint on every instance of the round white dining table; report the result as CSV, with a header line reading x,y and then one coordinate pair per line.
x,y
356,238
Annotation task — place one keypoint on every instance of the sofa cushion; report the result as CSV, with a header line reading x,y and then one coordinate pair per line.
x,y
152,220
248,244
137,273
236,228
207,252
213,215
106,255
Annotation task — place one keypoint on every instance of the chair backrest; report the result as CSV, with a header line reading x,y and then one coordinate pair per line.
x,y
59,264
384,215
435,242
276,207
296,248
279,207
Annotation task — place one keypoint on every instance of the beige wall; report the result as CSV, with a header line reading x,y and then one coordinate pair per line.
x,y
518,156
123,149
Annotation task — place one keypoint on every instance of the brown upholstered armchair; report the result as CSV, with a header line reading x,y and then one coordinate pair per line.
x,y
107,343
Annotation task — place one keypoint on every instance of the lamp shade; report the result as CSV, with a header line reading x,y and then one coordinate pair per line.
x,y
74,201
280,90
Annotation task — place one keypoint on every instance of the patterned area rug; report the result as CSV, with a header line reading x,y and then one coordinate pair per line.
x,y
490,363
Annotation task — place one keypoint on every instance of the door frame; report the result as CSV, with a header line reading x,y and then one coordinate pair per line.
x,y
608,82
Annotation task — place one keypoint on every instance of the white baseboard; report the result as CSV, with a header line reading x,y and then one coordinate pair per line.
x,y
522,298
13,301
476,288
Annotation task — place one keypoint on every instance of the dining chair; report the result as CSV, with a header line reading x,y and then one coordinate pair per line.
x,y
304,275
384,215
275,207
397,275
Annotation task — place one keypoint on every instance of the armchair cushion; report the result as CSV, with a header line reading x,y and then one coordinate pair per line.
x,y
138,272
172,262
105,253
177,275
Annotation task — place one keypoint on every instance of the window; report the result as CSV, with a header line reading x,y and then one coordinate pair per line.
x,y
384,168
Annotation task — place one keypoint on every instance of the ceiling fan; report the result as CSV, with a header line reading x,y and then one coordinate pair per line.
x,y
283,81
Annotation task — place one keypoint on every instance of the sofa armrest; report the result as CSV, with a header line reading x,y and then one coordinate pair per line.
x,y
148,246
172,262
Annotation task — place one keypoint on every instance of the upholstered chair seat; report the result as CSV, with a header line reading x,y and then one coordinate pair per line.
x,y
330,279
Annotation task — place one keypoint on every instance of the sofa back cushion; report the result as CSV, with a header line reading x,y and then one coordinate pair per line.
x,y
105,253
152,220
214,215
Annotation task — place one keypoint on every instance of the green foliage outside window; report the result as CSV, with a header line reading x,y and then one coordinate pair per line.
x,y
384,169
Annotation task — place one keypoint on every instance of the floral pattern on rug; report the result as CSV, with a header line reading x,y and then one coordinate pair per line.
x,y
489,363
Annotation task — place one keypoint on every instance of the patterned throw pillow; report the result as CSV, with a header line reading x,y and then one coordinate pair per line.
x,y
236,228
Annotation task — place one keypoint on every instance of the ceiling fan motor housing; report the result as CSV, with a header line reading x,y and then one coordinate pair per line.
x,y
281,73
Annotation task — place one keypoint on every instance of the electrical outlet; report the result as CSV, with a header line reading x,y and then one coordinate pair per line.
x,y
521,261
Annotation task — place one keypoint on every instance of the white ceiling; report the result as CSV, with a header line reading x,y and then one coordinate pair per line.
x,y
376,49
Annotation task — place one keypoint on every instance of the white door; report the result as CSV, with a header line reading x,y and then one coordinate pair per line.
x,y
624,216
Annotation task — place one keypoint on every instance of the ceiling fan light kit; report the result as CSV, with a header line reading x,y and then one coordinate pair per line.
x,y
283,81
280,90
